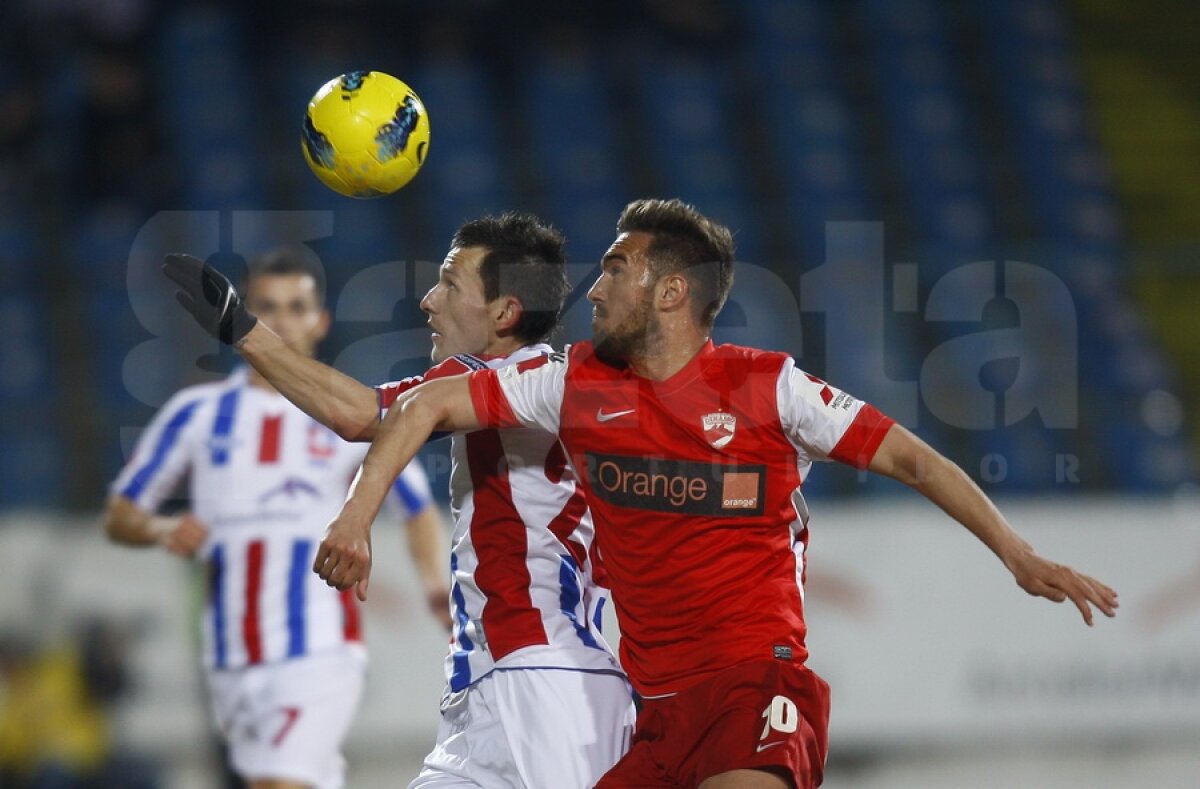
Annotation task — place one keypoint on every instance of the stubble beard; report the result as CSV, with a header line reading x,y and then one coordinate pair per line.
x,y
629,341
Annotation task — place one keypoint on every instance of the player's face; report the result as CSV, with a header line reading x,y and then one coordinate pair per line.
x,y
457,309
621,299
289,305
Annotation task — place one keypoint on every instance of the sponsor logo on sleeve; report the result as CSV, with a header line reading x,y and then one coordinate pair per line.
x,y
826,393
840,400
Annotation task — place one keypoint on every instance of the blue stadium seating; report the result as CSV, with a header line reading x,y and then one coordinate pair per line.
x,y
468,172
548,136
1028,42
210,108
687,103
937,146
577,162
32,465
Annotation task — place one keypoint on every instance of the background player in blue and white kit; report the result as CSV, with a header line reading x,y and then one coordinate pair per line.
x,y
283,652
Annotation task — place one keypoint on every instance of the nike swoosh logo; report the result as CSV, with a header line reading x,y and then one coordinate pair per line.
x,y
603,417
762,748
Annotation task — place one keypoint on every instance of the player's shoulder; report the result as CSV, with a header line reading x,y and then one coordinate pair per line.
x,y
455,365
197,396
534,357
756,360
579,351
583,366
582,356
529,357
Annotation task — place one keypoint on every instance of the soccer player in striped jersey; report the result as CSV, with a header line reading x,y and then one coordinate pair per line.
x,y
534,696
693,457
283,652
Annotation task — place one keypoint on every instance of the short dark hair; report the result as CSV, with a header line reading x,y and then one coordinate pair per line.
x,y
290,259
685,241
525,260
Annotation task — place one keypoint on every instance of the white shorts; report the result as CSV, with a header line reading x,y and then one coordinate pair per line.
x,y
540,728
288,720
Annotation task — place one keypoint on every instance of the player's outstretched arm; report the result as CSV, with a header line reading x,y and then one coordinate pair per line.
x,y
344,558
128,524
904,457
334,399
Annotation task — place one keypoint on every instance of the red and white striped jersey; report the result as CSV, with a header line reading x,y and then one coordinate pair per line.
x,y
265,480
695,484
524,591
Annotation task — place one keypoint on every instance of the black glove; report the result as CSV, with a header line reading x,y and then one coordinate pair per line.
x,y
210,297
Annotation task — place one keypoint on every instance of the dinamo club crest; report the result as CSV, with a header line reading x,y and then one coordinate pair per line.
x,y
718,428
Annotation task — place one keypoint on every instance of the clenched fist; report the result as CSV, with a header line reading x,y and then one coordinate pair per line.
x,y
344,558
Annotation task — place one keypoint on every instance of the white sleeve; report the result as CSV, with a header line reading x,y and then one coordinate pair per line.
x,y
826,423
516,397
163,452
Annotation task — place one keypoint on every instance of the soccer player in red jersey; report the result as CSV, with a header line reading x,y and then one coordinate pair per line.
x,y
693,457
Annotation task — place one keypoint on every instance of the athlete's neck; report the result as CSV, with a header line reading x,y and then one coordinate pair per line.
x,y
503,346
667,352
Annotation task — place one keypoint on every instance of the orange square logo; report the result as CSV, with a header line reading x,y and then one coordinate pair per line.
x,y
740,490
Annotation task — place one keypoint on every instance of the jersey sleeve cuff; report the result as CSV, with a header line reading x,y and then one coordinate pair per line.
x,y
860,442
491,404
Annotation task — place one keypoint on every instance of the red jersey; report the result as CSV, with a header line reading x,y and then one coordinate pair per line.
x,y
694,484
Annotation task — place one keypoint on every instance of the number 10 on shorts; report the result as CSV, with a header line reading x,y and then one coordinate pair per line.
x,y
781,716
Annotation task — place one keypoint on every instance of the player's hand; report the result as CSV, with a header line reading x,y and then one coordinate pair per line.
x,y
210,297
1057,582
183,536
344,558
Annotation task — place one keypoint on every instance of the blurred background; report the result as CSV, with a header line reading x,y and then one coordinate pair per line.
x,y
979,215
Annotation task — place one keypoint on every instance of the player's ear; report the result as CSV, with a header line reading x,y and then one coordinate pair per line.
x,y
324,322
506,314
673,292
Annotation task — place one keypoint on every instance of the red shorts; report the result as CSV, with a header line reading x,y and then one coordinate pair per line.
x,y
766,714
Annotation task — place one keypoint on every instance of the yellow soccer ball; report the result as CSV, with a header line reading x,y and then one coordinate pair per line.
x,y
366,134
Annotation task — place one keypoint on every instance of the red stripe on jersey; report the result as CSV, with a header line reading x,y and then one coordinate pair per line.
x,y
351,622
388,393
861,440
268,444
491,406
533,363
250,631
599,571
498,533
565,523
